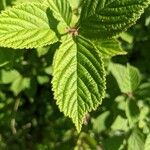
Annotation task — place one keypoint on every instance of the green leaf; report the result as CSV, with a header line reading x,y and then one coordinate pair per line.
x,y
109,48
61,10
147,143
132,112
120,124
8,76
128,78
19,84
17,81
107,18
99,123
127,37
136,140
78,78
25,26
75,3
42,51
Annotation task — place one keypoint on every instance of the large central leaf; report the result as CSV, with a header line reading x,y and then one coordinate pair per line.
x,y
79,78
106,18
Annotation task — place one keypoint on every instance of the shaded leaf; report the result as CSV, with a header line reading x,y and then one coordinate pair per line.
x,y
107,18
9,55
132,112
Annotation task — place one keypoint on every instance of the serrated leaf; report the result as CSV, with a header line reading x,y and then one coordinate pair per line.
x,y
78,78
136,140
147,143
109,48
61,10
26,26
107,18
128,78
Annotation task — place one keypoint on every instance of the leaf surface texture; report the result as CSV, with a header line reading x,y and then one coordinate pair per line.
x,y
79,78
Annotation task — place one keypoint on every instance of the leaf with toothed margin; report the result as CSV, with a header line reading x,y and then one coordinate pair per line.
x,y
62,12
107,18
26,26
78,78
61,9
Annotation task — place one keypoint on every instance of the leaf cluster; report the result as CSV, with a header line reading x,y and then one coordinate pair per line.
x,y
71,55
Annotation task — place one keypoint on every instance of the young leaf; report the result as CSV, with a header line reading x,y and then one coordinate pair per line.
x,y
78,78
128,78
26,26
107,18
109,48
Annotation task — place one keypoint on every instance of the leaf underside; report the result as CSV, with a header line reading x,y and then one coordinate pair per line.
x,y
108,18
78,79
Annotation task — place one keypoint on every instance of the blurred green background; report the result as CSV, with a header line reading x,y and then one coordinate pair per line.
x,y
30,119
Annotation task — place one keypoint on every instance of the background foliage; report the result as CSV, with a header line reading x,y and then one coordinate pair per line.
x,y
30,119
